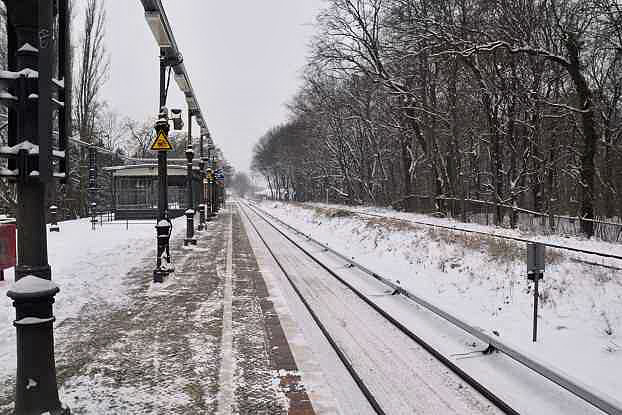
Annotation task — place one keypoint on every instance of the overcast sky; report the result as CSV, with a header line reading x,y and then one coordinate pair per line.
x,y
244,58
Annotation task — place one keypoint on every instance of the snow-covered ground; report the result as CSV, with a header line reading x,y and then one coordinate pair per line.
x,y
88,266
482,279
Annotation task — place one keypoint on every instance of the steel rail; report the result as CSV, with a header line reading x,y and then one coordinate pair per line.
x,y
484,391
600,400
342,357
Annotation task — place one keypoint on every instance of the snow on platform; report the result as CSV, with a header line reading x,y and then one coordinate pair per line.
x,y
88,266
125,345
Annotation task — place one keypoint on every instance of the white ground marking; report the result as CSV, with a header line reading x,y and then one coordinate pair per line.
x,y
225,394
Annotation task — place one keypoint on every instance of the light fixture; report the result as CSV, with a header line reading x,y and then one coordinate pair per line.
x,y
154,20
178,122
182,82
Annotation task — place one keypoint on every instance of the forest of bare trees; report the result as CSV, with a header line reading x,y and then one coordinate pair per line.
x,y
511,102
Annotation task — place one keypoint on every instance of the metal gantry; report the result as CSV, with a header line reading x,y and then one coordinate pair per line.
x,y
171,59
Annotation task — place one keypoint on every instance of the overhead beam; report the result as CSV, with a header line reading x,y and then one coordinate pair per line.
x,y
163,34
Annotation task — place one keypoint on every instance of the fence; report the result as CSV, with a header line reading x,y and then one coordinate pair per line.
x,y
489,213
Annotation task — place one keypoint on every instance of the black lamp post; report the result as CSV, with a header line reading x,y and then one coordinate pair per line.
x,y
189,240
210,179
33,40
202,164
164,226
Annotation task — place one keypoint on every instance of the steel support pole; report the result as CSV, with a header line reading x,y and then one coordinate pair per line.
x,y
209,194
162,156
189,197
201,187
162,185
217,194
163,227
536,295
30,23
214,195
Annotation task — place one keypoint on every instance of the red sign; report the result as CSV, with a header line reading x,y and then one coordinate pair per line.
x,y
7,246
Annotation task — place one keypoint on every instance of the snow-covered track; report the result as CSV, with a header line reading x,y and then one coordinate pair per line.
x,y
357,379
483,390
603,402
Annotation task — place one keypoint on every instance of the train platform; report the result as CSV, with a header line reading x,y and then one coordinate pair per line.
x,y
206,341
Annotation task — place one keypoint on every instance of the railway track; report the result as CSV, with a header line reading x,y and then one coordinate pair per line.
x,y
360,379
579,397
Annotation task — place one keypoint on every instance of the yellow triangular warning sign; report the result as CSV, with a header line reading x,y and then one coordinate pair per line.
x,y
161,143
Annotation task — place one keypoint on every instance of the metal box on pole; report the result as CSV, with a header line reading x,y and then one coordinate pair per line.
x,y
535,258
535,272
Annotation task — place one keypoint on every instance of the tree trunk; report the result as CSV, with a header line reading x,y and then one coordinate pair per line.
x,y
590,136
406,163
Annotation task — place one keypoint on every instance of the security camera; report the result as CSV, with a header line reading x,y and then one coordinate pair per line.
x,y
178,122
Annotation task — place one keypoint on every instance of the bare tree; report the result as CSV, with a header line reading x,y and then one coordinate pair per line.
x,y
93,68
421,103
140,136
241,183
111,130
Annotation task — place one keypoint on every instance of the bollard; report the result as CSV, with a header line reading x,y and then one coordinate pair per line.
x,y
54,219
190,228
535,272
93,215
210,212
163,231
201,218
36,376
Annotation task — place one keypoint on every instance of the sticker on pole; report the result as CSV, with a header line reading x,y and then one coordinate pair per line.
x,y
161,142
